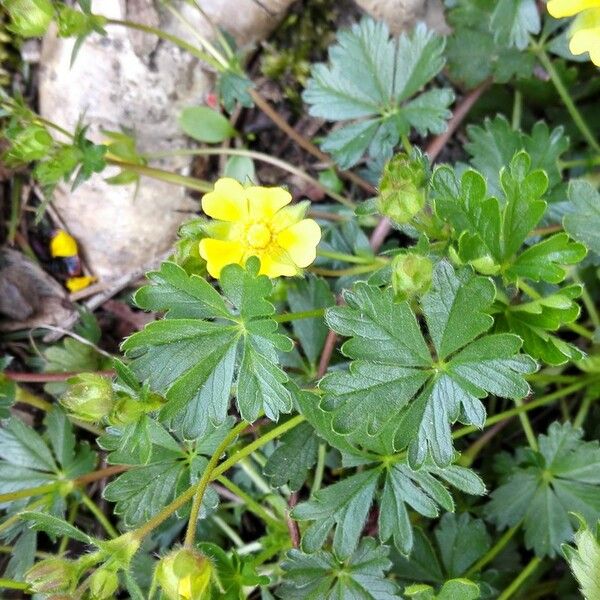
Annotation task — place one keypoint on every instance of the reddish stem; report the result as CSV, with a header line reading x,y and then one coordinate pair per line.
x,y
291,524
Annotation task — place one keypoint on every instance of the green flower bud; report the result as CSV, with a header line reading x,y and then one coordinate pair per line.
x,y
29,144
411,275
184,575
121,550
52,575
103,584
89,397
30,18
402,189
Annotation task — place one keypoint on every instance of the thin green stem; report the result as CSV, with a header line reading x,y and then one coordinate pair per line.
x,y
200,488
587,300
580,162
349,258
208,47
64,541
319,469
583,411
249,502
175,178
296,316
517,110
531,566
256,444
100,516
204,56
11,549
228,531
489,556
11,584
28,492
566,97
526,425
358,270
283,165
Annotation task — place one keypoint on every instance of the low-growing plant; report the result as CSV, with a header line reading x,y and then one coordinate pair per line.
x,y
315,413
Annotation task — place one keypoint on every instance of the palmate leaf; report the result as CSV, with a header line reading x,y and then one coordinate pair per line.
x,y
375,79
583,223
195,361
491,231
478,51
513,21
323,576
542,488
146,488
393,379
455,589
493,145
345,505
535,321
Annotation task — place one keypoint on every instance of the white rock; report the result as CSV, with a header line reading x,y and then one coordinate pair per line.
x,y
402,15
131,80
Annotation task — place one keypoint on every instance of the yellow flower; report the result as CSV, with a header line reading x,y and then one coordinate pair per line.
x,y
256,221
585,30
63,245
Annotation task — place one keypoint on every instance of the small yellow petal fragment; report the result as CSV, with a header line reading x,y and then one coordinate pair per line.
x,y
585,35
219,253
264,202
63,245
227,202
568,8
300,241
74,284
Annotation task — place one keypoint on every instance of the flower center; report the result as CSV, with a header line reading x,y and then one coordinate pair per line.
x,y
258,235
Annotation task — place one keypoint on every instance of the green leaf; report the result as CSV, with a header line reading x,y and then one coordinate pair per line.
x,y
232,88
240,168
55,527
8,390
144,489
293,458
455,589
308,294
394,381
493,145
542,488
345,504
205,124
584,560
194,361
322,576
491,233
475,53
462,540
375,79
535,321
513,21
584,222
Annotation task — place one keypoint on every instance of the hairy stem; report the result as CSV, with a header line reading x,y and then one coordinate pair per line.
x,y
100,516
200,488
489,556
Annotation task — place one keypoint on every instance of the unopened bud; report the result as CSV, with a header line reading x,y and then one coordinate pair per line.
x,y
402,189
89,397
103,584
411,275
184,575
29,144
30,18
51,575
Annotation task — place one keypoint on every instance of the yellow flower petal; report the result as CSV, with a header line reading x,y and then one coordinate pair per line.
x,y
74,284
568,8
300,241
264,202
585,35
63,245
218,253
227,202
277,264
288,216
